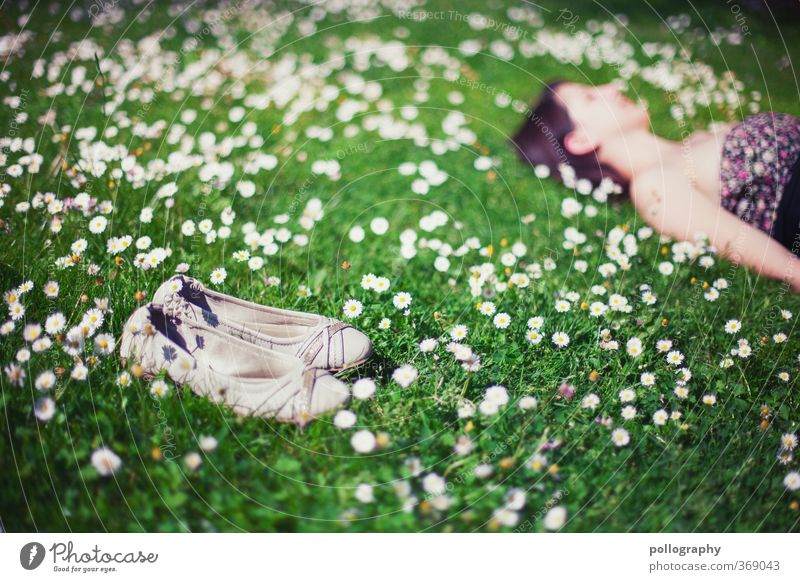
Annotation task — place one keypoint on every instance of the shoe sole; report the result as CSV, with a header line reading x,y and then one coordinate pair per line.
x,y
352,364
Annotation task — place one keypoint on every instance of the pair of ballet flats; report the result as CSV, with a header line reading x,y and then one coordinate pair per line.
x,y
257,360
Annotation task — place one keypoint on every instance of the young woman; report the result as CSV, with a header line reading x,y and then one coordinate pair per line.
x,y
738,183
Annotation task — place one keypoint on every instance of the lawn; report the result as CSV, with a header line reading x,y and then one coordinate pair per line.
x,y
210,137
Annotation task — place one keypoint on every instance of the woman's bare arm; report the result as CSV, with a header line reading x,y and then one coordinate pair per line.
x,y
673,208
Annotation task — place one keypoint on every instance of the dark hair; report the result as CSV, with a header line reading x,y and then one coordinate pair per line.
x,y
540,140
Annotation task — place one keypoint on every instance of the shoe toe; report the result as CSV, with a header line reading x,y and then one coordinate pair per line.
x,y
329,392
355,347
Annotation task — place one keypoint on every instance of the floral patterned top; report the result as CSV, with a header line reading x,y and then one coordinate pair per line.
x,y
757,158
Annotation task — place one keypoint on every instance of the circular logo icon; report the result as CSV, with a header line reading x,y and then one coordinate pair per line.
x,y
31,555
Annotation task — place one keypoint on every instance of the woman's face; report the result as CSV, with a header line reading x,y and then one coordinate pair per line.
x,y
599,113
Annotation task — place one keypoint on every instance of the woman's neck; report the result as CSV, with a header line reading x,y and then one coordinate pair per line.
x,y
637,151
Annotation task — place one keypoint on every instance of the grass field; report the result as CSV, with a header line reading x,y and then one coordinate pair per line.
x,y
263,110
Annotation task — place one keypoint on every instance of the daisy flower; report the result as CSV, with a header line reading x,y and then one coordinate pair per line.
x,y
98,224
207,443
597,309
681,392
218,276
344,419
562,306
629,412
104,344
555,518
16,311
789,440
159,388
627,395
105,461
44,409
428,345
732,326
536,322
79,372
352,308
709,399
402,300
634,347
520,280
664,345
590,401
43,344
175,285
385,323
241,256
488,308
45,380
51,289
381,284
31,332
363,441
73,342
459,332
620,437
647,379
193,460
502,320
674,358
660,417
466,409
405,375
93,319
364,388
649,298
434,484
368,281
560,339
534,337
792,481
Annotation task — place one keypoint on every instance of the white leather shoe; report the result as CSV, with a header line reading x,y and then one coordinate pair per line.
x,y
320,342
252,380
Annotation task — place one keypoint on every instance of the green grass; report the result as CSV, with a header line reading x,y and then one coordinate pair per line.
x,y
720,473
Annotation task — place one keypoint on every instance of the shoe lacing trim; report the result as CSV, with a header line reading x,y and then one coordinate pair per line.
x,y
176,306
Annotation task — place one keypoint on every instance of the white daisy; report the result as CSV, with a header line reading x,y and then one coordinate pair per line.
x,y
502,320
620,437
352,308
218,276
402,300
560,339
733,326
105,461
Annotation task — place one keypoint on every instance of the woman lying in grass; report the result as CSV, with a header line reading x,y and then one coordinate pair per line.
x,y
737,183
